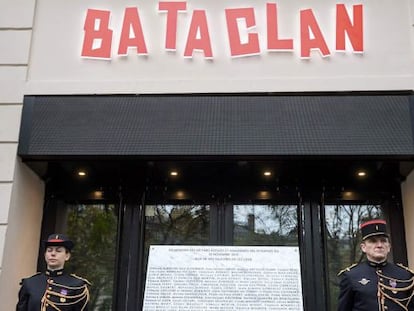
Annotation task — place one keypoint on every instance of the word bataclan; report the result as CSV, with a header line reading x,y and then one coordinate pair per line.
x,y
239,21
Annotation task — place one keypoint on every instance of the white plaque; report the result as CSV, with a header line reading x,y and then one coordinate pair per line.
x,y
223,278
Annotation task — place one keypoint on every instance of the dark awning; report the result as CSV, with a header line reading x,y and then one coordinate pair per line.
x,y
206,125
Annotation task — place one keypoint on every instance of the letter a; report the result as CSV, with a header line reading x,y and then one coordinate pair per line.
x,y
198,36
308,23
132,22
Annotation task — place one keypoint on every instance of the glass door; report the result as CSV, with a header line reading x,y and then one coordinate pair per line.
x,y
342,235
221,222
266,224
117,211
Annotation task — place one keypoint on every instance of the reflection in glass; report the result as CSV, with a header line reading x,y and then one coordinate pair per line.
x,y
256,224
176,224
343,239
93,228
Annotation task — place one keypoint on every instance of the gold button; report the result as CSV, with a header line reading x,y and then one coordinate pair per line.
x,y
50,288
48,296
51,281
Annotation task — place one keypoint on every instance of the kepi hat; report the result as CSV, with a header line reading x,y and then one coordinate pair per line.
x,y
376,227
58,239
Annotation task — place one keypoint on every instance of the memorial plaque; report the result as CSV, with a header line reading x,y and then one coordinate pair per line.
x,y
223,278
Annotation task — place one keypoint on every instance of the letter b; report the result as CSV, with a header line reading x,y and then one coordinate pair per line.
x,y
100,36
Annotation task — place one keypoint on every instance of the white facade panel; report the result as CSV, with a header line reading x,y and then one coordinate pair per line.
x,y
16,13
57,65
411,3
408,203
23,229
12,83
7,161
5,195
10,122
14,46
3,229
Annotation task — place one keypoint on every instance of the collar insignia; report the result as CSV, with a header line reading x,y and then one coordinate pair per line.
x,y
364,281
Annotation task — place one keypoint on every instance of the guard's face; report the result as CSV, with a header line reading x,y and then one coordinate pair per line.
x,y
376,248
55,257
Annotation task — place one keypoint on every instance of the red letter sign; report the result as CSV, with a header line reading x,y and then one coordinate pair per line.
x,y
132,22
237,48
198,36
102,35
172,9
308,23
273,41
354,31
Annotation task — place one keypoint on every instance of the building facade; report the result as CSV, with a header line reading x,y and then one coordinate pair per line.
x,y
127,124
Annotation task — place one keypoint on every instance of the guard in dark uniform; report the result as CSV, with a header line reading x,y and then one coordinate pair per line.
x,y
54,289
376,284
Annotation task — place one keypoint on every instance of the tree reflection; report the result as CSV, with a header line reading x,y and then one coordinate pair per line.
x,y
177,224
265,225
93,229
343,239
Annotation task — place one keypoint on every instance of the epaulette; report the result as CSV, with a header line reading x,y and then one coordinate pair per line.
x,y
347,269
406,268
80,278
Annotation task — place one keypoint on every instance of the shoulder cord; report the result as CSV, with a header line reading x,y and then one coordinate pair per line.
x,y
395,300
391,278
399,301
55,305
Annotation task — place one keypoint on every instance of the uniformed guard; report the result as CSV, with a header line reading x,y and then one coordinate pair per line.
x,y
54,289
376,284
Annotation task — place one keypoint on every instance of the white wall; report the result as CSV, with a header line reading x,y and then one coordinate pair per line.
x,y
57,66
22,234
21,192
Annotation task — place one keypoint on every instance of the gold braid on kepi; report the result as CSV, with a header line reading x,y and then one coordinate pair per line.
x,y
73,295
385,291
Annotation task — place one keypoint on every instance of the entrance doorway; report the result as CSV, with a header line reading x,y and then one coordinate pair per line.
x,y
313,204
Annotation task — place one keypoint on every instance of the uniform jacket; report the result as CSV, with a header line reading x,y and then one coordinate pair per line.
x,y
53,290
370,287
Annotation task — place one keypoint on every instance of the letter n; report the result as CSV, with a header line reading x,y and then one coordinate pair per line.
x,y
354,30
